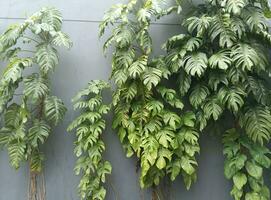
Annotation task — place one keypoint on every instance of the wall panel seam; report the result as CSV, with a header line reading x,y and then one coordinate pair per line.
x,y
87,21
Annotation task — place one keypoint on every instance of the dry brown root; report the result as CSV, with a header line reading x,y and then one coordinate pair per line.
x,y
36,190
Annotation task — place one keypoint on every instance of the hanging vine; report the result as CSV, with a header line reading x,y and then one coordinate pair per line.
x,y
27,107
149,117
223,68
89,146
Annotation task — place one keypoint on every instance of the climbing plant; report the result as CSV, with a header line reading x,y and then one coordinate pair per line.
x,y
221,65
149,116
223,69
89,145
28,109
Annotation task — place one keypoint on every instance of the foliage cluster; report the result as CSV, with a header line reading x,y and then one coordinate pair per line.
x,y
222,67
89,145
27,107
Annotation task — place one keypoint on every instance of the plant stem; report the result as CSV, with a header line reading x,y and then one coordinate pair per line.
x,y
37,189
32,195
155,195
32,39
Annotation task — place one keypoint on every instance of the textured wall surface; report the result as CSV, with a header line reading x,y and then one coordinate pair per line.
x,y
85,61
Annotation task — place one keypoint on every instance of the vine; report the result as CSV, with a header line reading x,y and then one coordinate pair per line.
x,y
89,146
223,67
149,117
244,164
27,107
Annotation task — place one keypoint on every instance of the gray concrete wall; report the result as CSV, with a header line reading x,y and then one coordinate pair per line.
x,y
85,61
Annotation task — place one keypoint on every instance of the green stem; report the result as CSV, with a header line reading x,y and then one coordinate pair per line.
x,y
32,39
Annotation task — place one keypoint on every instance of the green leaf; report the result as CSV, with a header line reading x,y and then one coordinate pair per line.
x,y
254,170
220,60
254,18
236,75
236,193
189,119
54,109
245,57
120,77
123,36
123,59
212,108
188,165
239,180
151,77
232,97
170,96
138,67
185,83
36,162
189,135
193,44
221,30
259,154
4,136
165,137
199,25
233,165
202,120
195,64
252,196
16,151
217,78
174,61
258,88
11,35
104,170
47,57
61,39
175,170
36,87
235,6
171,119
145,41
161,163
13,72
52,16
166,93
38,133
198,95
112,15
189,179
13,116
144,15
100,194
238,26
175,41
257,123
42,28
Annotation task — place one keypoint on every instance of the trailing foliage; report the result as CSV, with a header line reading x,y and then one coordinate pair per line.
x,y
89,146
223,68
28,109
244,164
148,116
